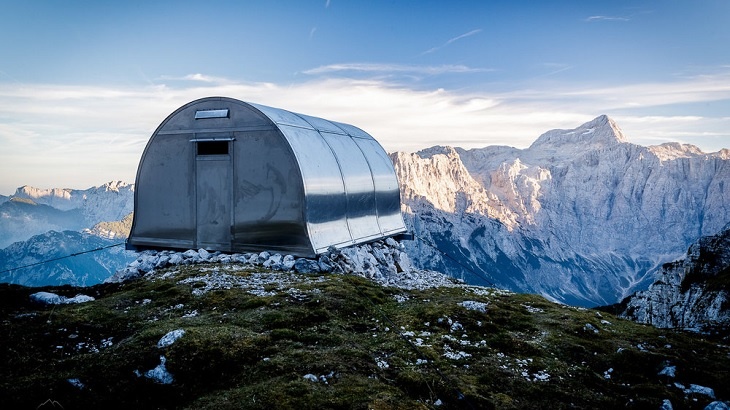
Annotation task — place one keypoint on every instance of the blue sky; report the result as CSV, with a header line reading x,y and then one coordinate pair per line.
x,y
84,84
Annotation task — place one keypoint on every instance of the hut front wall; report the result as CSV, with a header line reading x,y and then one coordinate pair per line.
x,y
268,195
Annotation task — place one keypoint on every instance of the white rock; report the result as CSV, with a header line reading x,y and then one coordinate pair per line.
x,y
697,389
46,297
170,337
76,383
54,299
717,405
669,371
288,262
474,305
160,374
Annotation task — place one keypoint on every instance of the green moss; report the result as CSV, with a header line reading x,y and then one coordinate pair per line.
x,y
365,347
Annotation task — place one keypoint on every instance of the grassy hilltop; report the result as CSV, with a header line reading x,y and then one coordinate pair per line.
x,y
257,339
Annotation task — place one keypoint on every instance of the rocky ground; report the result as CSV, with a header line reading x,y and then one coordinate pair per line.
x,y
384,262
357,328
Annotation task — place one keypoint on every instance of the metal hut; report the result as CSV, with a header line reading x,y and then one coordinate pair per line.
x,y
223,174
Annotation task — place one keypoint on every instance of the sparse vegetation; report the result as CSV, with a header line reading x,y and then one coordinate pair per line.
x,y
337,341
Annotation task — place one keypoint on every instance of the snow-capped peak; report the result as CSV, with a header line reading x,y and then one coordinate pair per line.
x,y
116,186
601,131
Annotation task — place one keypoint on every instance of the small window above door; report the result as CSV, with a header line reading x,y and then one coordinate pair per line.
x,y
212,147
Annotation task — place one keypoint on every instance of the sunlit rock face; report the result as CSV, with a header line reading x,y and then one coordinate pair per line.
x,y
581,216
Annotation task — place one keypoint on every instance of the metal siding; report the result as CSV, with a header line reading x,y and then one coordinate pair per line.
x,y
387,192
164,192
326,204
361,218
269,210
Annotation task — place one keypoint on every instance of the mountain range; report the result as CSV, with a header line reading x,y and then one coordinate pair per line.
x,y
38,225
582,216
32,211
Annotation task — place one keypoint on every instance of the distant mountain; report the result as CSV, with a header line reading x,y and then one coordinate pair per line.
x,y
78,270
21,218
113,229
38,225
691,293
32,211
581,216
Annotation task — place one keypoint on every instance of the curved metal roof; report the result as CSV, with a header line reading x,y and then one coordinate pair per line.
x,y
347,185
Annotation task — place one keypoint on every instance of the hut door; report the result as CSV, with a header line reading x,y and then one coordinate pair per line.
x,y
214,182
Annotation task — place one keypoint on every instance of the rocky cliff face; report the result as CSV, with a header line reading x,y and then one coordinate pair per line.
x,y
692,293
581,216
108,202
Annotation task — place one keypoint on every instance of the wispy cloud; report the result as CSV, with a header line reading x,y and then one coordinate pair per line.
x,y
555,68
203,78
452,40
54,134
394,68
606,18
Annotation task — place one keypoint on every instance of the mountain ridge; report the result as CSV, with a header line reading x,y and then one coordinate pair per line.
x,y
613,210
108,202
582,216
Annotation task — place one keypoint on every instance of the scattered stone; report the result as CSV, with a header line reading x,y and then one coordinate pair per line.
x,y
306,266
76,383
590,328
474,305
49,298
697,389
668,371
160,374
170,338
382,261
